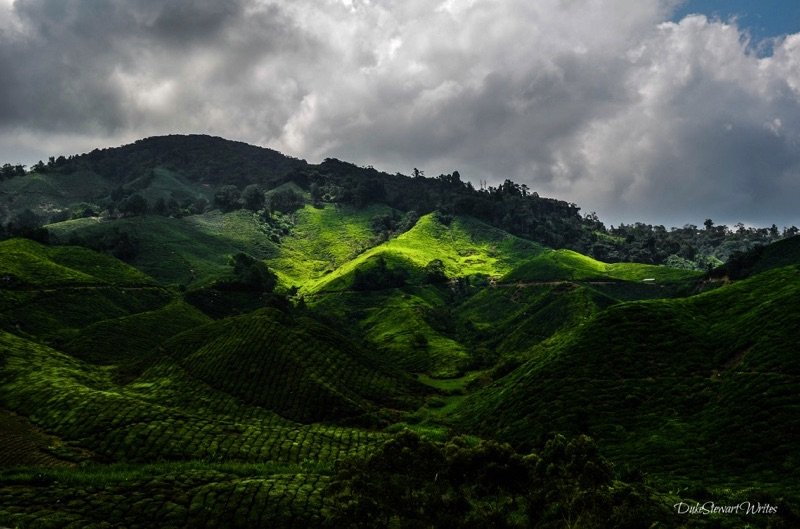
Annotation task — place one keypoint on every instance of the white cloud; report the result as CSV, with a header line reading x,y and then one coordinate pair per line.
x,y
598,102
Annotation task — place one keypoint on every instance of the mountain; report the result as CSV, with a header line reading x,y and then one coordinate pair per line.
x,y
180,176
325,345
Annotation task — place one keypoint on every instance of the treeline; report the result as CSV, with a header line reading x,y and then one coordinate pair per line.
x,y
10,171
689,247
515,208
469,483
245,176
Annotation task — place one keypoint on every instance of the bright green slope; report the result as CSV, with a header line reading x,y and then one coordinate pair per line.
x,y
567,265
466,247
195,250
683,387
24,262
322,240
410,326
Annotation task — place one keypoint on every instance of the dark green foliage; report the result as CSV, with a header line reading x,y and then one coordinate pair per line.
x,y
413,482
27,224
292,365
202,159
8,171
659,382
226,198
253,198
452,327
253,274
133,206
760,259
434,272
120,244
169,496
378,276
286,201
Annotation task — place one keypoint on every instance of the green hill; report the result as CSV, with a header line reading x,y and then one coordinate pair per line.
x,y
298,368
190,251
25,263
760,259
566,265
165,415
412,325
705,378
51,292
322,240
465,246
129,339
179,389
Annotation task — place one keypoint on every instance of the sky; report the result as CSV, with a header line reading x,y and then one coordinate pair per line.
x,y
661,111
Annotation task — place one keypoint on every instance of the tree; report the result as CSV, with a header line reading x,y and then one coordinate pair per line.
x,y
413,482
133,206
253,197
252,273
198,206
435,272
28,224
316,194
285,201
226,198
377,275
160,207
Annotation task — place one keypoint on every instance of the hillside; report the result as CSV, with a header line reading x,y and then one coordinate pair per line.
x,y
297,368
656,382
211,334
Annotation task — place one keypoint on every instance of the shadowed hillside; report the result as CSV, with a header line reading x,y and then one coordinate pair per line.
x,y
211,334
658,383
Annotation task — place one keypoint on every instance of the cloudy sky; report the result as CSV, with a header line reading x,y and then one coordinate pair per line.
x,y
656,110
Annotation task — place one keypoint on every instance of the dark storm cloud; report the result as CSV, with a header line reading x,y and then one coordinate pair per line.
x,y
597,102
107,67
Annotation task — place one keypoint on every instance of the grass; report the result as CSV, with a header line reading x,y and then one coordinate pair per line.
x,y
28,263
567,265
466,247
322,240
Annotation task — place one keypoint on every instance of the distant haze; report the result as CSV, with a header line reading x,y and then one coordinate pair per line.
x,y
628,108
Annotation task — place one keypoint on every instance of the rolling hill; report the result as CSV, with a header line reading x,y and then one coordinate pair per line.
x,y
144,383
705,378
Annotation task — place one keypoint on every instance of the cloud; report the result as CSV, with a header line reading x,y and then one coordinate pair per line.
x,y
598,102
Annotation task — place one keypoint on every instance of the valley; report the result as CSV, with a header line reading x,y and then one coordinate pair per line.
x,y
216,365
